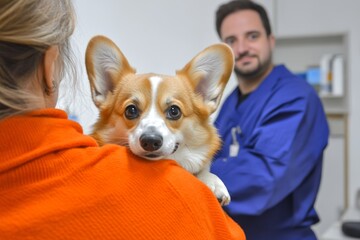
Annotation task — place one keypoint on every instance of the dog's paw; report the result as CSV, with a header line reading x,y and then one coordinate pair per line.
x,y
216,186
221,193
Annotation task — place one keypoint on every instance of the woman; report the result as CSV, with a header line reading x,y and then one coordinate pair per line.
x,y
55,182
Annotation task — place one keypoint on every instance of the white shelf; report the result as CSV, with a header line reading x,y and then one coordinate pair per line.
x,y
299,52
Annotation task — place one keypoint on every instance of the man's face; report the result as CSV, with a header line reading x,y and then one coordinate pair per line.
x,y
244,32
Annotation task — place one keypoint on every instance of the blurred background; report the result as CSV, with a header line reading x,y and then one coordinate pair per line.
x,y
314,37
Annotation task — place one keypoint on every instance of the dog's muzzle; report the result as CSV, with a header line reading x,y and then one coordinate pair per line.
x,y
151,142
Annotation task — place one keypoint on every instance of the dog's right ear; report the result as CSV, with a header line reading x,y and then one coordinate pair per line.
x,y
209,72
105,66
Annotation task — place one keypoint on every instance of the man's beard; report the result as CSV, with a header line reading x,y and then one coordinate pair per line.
x,y
256,73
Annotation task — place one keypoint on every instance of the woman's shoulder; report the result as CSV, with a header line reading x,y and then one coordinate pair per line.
x,y
120,163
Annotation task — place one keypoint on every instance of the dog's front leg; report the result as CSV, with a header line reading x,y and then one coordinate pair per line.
x,y
215,184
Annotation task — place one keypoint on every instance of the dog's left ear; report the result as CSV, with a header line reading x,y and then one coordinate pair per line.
x,y
209,72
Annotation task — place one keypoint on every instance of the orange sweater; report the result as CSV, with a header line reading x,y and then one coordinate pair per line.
x,y
56,183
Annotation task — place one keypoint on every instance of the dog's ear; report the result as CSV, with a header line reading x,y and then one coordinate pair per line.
x,y
209,72
105,66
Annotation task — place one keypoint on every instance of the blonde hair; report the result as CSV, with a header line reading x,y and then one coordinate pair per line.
x,y
27,29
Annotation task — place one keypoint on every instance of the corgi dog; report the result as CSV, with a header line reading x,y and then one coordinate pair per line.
x,y
159,116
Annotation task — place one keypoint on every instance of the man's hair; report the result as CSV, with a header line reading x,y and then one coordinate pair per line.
x,y
237,5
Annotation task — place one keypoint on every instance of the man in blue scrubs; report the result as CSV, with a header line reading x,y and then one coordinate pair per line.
x,y
274,132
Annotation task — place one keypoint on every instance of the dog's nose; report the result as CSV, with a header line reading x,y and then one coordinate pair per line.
x,y
151,142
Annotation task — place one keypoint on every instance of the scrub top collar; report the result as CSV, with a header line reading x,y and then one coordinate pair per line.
x,y
278,72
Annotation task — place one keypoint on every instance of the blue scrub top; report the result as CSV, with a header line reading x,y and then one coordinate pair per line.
x,y
273,178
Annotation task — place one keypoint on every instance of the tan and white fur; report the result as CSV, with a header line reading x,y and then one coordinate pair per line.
x,y
159,116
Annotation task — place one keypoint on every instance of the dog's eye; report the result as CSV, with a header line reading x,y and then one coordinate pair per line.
x,y
173,113
131,112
